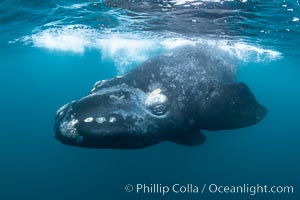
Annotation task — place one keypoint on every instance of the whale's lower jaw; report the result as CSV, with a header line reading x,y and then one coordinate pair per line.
x,y
115,142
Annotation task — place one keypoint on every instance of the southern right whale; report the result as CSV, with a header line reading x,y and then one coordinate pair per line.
x,y
170,97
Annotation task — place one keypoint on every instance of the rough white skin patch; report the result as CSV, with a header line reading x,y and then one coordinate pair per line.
x,y
156,91
68,129
100,120
114,97
93,89
89,119
73,122
155,97
112,119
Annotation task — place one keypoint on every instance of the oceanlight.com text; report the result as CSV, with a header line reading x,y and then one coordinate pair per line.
x,y
163,189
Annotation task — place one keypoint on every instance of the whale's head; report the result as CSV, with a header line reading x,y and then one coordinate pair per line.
x,y
114,117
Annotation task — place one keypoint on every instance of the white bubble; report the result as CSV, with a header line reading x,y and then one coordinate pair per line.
x,y
128,49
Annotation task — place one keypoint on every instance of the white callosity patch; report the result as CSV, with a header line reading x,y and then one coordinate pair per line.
x,y
88,119
114,97
93,89
68,128
100,83
73,122
112,119
156,102
155,97
100,120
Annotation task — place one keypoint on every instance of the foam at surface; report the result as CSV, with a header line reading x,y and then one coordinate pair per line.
x,y
127,49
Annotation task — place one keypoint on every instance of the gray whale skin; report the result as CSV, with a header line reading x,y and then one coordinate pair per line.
x,y
170,97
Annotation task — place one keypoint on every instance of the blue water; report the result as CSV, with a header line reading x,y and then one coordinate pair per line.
x,y
53,52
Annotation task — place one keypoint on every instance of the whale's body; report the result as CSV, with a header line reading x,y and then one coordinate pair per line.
x,y
169,97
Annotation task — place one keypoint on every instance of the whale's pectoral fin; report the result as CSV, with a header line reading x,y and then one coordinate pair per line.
x,y
232,106
193,138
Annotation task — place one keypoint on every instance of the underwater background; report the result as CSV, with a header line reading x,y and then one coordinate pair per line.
x,y
53,51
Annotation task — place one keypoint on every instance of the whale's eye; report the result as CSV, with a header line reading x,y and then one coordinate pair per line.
x,y
156,102
159,109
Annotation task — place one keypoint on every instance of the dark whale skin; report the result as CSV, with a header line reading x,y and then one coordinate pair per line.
x,y
170,97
